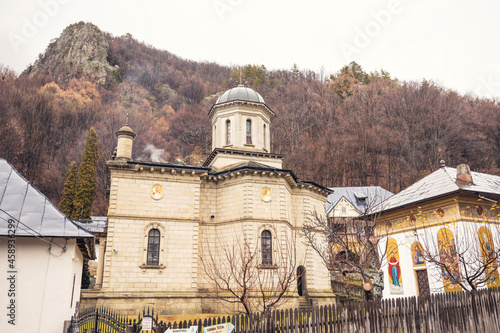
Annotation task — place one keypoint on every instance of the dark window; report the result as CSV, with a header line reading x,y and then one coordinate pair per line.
x,y
249,132
264,135
267,254
228,132
153,247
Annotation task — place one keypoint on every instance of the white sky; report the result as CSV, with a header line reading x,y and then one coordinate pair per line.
x,y
453,42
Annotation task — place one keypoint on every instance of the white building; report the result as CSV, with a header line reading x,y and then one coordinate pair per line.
x,y
41,258
354,201
427,228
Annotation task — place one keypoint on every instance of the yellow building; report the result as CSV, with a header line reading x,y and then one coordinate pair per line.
x,y
163,218
441,234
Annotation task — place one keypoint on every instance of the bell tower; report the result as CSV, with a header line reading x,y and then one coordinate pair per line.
x,y
241,127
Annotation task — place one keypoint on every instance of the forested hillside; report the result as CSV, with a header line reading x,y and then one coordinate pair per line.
x,y
346,129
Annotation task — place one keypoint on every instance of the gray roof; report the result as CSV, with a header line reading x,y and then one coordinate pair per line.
x,y
32,211
440,183
360,197
240,93
96,224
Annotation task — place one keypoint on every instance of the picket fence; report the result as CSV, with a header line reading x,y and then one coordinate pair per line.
x,y
476,311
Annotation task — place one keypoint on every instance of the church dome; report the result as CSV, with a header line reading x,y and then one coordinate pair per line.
x,y
240,93
125,129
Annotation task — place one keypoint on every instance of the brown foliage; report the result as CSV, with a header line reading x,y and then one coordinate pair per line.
x,y
377,132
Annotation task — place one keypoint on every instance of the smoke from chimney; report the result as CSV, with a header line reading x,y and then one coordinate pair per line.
x,y
155,154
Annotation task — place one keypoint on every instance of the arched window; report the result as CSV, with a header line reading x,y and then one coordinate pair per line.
x,y
228,132
153,247
249,132
264,133
266,248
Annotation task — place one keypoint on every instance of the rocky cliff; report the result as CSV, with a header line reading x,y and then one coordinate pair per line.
x,y
80,51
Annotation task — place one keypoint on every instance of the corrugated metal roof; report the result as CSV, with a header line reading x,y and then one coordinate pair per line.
x,y
440,183
95,224
32,212
360,197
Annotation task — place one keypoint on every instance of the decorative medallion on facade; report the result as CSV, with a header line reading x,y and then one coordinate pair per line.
x,y
157,192
266,194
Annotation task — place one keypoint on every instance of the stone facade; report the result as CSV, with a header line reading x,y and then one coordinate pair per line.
x,y
239,192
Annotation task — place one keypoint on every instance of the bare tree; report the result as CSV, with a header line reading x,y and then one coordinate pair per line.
x,y
348,248
240,272
462,254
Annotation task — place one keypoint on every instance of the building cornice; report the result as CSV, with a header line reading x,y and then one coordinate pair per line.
x,y
252,153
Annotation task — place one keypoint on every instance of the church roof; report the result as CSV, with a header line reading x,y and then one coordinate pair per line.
x,y
360,197
243,166
33,213
255,166
247,164
240,93
440,183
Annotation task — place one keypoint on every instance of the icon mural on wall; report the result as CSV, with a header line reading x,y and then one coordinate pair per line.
x,y
488,252
266,194
448,257
156,192
417,254
395,278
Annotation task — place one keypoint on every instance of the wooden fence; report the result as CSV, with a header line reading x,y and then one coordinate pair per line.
x,y
477,311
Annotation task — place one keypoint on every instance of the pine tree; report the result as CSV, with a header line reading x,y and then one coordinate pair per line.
x,y
68,192
85,275
86,184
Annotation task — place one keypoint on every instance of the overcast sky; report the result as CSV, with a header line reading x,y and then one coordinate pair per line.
x,y
455,43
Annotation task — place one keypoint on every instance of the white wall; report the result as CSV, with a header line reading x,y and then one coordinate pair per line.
x,y
466,237
44,284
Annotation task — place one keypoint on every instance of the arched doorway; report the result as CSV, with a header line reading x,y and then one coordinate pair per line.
x,y
301,280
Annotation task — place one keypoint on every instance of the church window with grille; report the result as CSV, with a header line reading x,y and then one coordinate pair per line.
x,y
153,247
249,132
266,248
228,132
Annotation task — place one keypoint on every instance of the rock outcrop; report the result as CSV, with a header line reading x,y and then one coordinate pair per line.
x,y
80,51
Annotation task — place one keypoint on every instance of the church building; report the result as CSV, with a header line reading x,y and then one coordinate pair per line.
x,y
164,218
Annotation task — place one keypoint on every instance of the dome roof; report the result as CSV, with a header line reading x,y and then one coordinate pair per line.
x,y
240,93
125,129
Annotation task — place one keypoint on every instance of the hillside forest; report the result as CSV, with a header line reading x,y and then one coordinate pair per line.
x,y
349,128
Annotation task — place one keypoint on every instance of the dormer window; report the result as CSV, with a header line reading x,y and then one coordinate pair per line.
x,y
228,132
249,132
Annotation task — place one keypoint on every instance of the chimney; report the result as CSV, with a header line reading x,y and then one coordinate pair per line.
x,y
441,164
464,177
124,147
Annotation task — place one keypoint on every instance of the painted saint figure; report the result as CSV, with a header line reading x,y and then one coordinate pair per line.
x,y
418,258
394,270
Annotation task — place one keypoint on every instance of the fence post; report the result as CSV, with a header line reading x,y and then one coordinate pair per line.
x,y
96,317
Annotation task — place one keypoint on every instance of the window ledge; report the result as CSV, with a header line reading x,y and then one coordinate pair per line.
x,y
267,267
249,145
161,266
227,146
